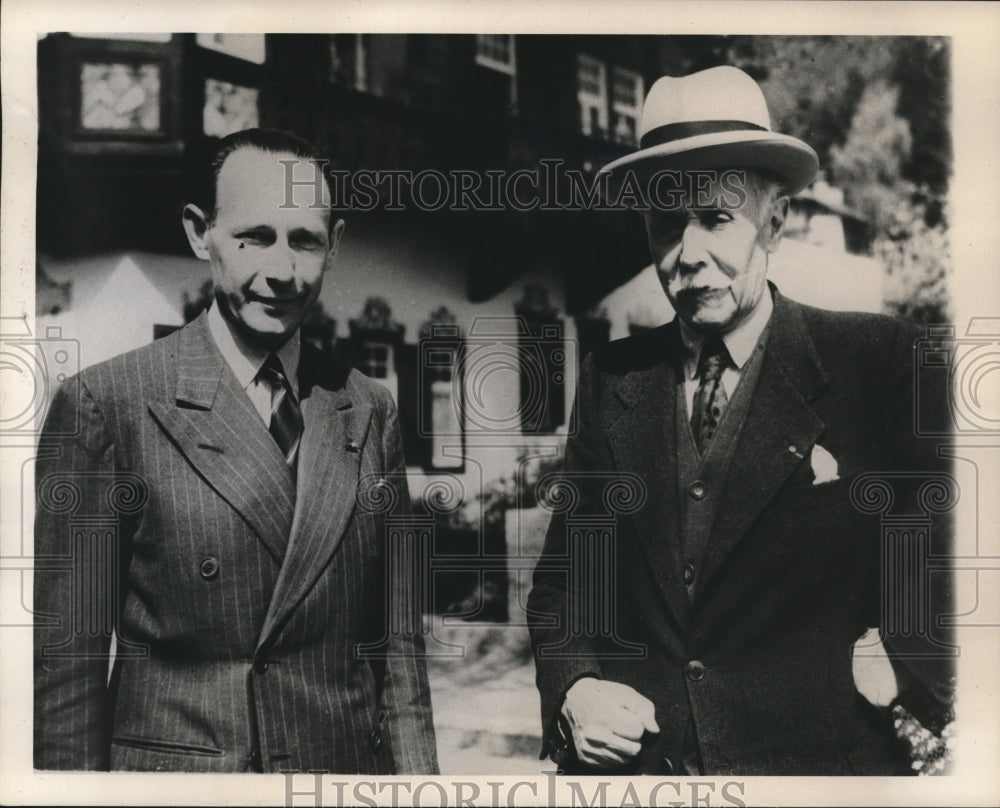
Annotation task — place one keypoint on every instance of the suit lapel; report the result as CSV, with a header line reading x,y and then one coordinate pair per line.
x,y
329,465
213,423
779,430
649,396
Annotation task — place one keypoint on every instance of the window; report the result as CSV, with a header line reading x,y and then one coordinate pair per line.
x,y
120,97
626,104
625,100
592,93
360,63
375,359
440,404
250,47
123,36
375,340
116,97
496,51
228,108
349,61
544,357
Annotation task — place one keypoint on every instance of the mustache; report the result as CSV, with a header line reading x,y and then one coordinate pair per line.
x,y
702,289
695,291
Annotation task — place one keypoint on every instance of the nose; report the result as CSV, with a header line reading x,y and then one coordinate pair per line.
x,y
692,255
280,270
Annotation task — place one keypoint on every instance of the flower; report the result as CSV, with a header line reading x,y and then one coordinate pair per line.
x,y
930,754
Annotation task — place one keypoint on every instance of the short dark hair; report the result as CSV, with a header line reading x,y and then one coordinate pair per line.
x,y
206,158
763,182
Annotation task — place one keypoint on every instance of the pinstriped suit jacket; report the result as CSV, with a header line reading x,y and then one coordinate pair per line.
x,y
239,604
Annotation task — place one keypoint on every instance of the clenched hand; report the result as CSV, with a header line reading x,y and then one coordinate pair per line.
x,y
607,720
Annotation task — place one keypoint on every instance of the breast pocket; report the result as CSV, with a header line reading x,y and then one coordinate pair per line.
x,y
130,753
809,497
821,530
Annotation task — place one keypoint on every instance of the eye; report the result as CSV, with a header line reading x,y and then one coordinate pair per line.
x,y
715,218
306,241
255,238
667,228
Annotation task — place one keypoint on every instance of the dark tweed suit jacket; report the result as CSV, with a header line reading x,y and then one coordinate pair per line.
x,y
239,604
758,658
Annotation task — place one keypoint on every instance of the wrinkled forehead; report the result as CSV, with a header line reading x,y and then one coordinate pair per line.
x,y
731,189
278,184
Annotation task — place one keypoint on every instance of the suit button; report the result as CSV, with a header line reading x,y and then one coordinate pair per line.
x,y
209,569
668,765
695,670
260,665
376,739
688,574
697,490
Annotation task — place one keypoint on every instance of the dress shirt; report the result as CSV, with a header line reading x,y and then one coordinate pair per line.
x,y
246,360
740,343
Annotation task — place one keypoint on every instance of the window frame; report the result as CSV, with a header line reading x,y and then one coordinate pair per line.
x,y
634,111
485,60
593,100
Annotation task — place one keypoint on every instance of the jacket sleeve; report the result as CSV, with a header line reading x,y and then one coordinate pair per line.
x,y
406,692
562,657
927,654
73,586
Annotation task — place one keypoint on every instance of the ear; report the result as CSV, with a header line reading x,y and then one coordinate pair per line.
x,y
336,233
774,224
195,227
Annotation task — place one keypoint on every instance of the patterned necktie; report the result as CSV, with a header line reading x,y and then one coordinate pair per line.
x,y
286,417
710,400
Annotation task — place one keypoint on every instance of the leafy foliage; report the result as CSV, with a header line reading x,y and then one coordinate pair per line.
x,y
910,222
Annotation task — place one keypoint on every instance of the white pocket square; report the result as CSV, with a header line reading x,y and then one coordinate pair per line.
x,y
824,465
874,676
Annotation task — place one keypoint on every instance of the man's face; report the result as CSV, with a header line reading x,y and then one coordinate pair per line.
x,y
712,258
268,256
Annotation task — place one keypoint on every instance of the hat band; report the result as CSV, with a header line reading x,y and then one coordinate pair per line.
x,y
678,131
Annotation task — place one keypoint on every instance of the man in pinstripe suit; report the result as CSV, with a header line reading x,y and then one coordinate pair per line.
x,y
244,576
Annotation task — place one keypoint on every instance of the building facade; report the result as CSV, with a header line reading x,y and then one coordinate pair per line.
x,y
473,310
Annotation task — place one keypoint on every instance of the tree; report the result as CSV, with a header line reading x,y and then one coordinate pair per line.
x,y
876,109
869,164
910,222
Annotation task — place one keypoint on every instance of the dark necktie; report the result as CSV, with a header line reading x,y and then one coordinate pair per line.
x,y
286,417
710,400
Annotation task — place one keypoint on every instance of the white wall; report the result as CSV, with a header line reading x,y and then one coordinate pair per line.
x,y
416,274
818,276
117,298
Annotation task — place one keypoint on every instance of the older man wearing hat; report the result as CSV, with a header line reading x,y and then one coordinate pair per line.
x,y
735,623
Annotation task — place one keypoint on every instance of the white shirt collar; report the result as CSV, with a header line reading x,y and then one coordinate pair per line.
x,y
740,342
244,359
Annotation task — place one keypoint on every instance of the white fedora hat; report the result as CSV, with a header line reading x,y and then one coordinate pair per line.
x,y
716,118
